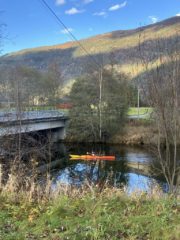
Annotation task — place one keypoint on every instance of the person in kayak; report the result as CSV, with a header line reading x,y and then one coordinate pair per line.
x,y
92,153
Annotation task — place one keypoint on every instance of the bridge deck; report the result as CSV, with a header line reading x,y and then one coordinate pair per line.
x,y
32,121
31,115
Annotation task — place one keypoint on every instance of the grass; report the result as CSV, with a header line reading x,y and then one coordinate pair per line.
x,y
110,214
142,111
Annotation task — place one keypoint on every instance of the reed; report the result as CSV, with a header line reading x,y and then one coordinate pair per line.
x,y
31,209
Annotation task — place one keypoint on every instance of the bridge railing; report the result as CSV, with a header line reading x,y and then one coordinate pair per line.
x,y
29,115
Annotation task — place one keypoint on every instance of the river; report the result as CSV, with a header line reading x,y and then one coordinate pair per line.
x,y
129,170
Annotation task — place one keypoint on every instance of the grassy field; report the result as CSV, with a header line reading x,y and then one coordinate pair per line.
x,y
110,214
142,111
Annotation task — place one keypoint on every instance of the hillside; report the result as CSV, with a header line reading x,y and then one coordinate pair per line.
x,y
73,60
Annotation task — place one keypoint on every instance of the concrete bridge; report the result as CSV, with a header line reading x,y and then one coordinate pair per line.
x,y
34,121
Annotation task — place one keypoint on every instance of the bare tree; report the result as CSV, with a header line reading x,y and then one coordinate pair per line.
x,y
161,85
53,83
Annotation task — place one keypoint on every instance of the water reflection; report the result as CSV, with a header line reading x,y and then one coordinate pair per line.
x,y
116,173
98,172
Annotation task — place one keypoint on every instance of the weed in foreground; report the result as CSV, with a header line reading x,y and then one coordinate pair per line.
x,y
38,211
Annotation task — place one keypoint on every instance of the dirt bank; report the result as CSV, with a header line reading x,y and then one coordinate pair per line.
x,y
136,135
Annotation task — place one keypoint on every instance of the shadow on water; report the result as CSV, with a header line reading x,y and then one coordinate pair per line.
x,y
118,173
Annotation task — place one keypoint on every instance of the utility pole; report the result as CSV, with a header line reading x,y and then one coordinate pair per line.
x,y
100,103
0,176
18,110
138,100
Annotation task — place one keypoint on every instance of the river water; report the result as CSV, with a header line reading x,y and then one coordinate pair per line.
x,y
117,173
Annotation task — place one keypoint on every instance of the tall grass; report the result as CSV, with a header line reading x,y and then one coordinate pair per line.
x,y
31,209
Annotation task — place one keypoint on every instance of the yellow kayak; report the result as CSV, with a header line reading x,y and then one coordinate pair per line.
x,y
92,157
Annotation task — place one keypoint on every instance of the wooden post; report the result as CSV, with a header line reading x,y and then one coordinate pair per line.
x,y
138,101
100,104
0,176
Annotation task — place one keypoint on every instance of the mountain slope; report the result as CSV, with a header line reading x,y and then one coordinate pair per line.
x,y
122,45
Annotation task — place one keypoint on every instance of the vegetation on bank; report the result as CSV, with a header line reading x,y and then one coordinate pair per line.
x,y
89,214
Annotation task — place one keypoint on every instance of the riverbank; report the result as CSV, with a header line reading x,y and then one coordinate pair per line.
x,y
137,134
134,134
89,214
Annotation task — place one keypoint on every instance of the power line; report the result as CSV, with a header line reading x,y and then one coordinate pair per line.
x,y
60,22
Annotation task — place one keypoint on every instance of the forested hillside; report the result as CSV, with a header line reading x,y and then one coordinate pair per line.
x,y
119,47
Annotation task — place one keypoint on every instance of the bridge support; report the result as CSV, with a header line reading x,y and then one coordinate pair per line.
x,y
57,134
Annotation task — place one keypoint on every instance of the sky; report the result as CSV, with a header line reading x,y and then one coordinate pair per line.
x,y
29,24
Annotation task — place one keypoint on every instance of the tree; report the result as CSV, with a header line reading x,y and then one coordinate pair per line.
x,y
35,87
30,85
53,83
24,86
85,114
162,90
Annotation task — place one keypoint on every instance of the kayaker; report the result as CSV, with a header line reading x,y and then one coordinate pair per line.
x,y
93,153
